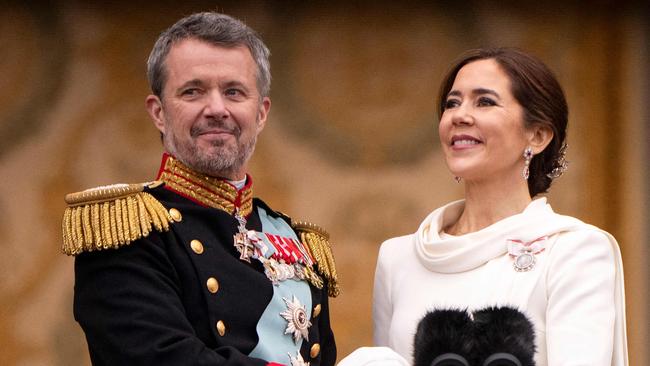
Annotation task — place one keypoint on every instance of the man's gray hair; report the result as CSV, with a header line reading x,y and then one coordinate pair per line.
x,y
214,28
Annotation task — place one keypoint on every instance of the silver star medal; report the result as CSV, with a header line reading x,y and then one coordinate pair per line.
x,y
297,319
242,240
298,360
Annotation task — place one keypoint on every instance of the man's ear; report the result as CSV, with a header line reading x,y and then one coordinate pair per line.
x,y
262,113
539,137
155,109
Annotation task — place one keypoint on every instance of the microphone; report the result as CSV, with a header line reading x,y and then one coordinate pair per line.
x,y
496,336
444,338
504,337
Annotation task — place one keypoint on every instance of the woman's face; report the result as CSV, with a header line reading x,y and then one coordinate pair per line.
x,y
482,128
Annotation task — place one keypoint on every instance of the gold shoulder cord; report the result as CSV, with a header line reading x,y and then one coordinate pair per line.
x,y
110,217
317,241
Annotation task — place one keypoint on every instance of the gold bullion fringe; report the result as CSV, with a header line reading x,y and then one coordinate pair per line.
x,y
113,223
317,240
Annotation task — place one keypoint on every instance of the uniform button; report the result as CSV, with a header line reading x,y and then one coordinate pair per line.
x,y
221,328
175,214
213,285
316,311
196,246
315,350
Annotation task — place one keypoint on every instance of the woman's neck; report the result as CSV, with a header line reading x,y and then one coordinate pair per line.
x,y
489,202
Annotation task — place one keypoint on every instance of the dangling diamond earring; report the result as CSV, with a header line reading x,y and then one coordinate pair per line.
x,y
528,156
458,179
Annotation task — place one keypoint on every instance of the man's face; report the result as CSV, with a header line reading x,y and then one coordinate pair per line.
x,y
211,111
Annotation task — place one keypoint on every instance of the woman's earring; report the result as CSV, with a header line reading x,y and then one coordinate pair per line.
x,y
528,156
457,179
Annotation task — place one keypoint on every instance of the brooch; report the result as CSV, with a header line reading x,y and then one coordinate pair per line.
x,y
524,253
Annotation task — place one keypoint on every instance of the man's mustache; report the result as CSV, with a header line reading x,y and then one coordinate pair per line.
x,y
215,124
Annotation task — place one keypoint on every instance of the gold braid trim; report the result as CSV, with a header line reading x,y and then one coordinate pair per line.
x,y
209,191
317,241
110,217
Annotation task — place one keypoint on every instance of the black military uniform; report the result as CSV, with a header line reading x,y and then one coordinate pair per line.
x,y
188,270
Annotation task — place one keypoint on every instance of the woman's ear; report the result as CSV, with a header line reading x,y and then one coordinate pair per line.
x,y
539,137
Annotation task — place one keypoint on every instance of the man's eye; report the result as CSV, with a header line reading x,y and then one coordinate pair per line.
x,y
190,92
486,102
233,92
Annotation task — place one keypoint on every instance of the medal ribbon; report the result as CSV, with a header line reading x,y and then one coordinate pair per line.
x,y
517,247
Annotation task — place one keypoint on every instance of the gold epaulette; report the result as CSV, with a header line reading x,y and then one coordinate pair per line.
x,y
110,217
317,240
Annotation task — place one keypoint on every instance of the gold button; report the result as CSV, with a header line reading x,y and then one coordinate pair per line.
x,y
196,246
315,350
221,328
175,214
213,285
316,311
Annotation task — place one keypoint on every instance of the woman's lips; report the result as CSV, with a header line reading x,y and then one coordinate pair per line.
x,y
464,141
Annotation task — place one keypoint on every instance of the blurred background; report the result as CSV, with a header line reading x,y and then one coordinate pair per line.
x,y
351,141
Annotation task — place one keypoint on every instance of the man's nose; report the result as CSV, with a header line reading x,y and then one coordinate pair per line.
x,y
216,106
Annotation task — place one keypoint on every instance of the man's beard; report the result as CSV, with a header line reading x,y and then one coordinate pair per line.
x,y
221,160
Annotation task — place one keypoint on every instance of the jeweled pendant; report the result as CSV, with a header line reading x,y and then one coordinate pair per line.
x,y
524,261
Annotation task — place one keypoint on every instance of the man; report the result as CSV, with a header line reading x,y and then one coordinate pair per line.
x,y
191,269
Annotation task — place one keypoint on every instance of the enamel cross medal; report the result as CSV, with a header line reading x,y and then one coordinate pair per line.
x,y
241,239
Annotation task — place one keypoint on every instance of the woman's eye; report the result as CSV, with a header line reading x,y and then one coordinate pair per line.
x,y
485,102
451,103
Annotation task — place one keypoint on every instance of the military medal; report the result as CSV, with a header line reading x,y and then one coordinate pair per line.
x,y
242,239
297,319
298,360
524,253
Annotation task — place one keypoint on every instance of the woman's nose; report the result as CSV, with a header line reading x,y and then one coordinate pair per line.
x,y
462,115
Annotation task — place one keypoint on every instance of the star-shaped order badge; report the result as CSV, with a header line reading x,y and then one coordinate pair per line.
x,y
296,317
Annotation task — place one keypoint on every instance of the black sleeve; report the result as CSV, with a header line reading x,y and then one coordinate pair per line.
x,y
328,344
129,303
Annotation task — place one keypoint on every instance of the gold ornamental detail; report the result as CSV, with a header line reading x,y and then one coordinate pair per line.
x,y
317,241
110,217
209,191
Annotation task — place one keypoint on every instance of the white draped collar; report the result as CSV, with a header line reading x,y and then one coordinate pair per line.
x,y
453,254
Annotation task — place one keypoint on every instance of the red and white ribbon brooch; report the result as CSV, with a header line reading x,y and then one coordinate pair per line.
x,y
524,252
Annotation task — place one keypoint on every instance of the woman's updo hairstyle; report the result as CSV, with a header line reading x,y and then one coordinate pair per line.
x,y
538,92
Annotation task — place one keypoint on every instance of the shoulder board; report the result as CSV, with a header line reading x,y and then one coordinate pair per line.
x,y
110,217
317,240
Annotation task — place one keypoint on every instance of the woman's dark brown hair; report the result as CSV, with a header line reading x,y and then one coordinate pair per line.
x,y
538,92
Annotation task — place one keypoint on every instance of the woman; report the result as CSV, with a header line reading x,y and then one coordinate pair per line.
x,y
503,119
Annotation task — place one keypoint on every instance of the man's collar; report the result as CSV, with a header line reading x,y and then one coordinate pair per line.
x,y
205,190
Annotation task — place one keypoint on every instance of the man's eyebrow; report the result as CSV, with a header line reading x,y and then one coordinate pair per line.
x,y
235,83
193,82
